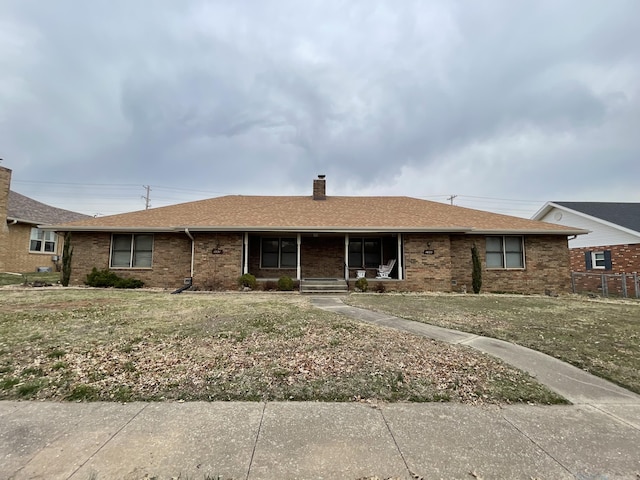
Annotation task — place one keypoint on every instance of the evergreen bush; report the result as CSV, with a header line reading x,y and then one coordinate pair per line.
x,y
362,284
106,278
285,284
248,281
476,272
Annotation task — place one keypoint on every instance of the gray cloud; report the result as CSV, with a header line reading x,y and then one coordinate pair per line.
x,y
257,97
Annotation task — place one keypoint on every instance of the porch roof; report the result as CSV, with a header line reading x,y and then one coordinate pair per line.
x,y
304,214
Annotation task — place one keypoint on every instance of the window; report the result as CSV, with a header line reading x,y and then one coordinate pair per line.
x,y
505,252
131,251
41,241
278,252
365,252
598,260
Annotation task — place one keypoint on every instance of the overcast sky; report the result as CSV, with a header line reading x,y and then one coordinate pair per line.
x,y
506,104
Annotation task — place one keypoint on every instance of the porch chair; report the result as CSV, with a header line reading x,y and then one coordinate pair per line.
x,y
385,270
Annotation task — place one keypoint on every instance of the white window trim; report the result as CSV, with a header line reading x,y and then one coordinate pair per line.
x,y
44,241
504,253
131,252
594,266
280,267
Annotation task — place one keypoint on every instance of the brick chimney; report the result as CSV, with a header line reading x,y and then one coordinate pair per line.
x,y
320,188
5,183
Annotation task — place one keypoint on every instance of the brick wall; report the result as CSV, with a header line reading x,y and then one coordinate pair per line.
x,y
18,258
5,183
448,268
171,259
427,272
624,258
322,257
546,260
218,271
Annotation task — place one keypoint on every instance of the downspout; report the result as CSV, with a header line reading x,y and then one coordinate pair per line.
x,y
193,250
193,243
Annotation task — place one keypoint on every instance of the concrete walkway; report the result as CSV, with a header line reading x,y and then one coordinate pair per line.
x,y
597,438
577,386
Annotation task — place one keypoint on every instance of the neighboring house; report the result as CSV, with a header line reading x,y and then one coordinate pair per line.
x,y
215,241
613,244
24,247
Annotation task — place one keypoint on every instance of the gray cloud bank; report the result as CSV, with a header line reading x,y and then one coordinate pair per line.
x,y
532,99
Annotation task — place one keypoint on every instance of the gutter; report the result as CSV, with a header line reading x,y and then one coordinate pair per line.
x,y
273,228
193,250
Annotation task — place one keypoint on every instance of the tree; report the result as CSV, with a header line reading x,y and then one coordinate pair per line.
x,y
476,273
67,254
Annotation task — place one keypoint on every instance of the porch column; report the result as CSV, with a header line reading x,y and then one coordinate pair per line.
x,y
400,272
245,245
298,268
346,256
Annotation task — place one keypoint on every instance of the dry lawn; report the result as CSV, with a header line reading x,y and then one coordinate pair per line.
x,y
600,336
89,344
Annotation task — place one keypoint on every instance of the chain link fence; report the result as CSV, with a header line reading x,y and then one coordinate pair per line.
x,y
625,285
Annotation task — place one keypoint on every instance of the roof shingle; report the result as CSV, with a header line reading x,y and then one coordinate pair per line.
x,y
29,210
626,215
336,213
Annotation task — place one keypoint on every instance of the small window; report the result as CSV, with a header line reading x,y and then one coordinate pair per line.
x,y
505,252
598,260
131,251
278,252
42,242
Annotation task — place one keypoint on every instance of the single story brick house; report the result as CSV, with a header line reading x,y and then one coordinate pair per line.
x,y
215,241
24,246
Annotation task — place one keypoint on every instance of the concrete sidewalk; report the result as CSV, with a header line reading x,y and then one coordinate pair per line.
x,y
597,438
98,441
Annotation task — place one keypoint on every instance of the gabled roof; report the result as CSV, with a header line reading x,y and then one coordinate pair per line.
x,y
28,210
303,214
617,214
624,214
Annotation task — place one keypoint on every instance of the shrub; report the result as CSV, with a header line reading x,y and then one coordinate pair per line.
x,y
248,281
476,272
67,254
285,284
269,285
380,288
362,284
105,278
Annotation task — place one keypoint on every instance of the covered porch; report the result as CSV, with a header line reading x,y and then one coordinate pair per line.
x,y
313,255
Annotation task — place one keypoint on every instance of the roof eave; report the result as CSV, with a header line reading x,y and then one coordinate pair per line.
x,y
573,231
332,229
21,220
65,228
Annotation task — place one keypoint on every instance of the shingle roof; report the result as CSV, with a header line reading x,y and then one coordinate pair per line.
x,y
626,215
29,210
302,213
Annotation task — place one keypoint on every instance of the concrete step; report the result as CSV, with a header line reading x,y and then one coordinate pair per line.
x,y
323,285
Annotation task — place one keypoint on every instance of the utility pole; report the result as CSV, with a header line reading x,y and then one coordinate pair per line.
x,y
146,197
451,198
